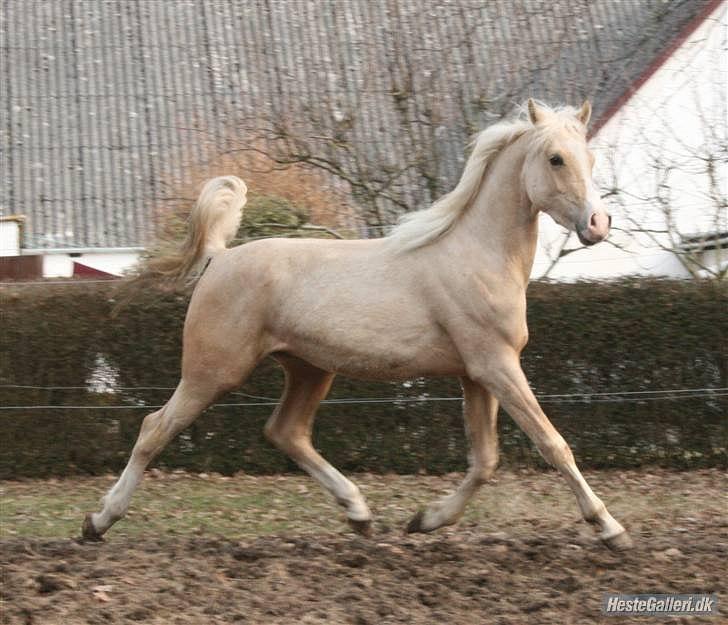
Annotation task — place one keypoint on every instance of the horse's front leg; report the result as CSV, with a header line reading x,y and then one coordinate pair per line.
x,y
481,414
503,376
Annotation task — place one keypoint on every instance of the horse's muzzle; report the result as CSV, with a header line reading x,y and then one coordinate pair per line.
x,y
596,229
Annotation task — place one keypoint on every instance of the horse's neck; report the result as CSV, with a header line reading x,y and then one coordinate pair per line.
x,y
500,227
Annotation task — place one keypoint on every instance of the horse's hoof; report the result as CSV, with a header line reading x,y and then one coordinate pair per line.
x,y
88,531
619,542
415,524
363,528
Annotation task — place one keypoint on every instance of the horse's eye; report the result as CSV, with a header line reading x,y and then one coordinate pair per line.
x,y
556,160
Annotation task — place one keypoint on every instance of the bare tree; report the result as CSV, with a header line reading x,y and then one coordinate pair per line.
x,y
681,205
395,130
663,165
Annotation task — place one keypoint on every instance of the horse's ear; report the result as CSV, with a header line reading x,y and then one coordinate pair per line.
x,y
584,113
535,112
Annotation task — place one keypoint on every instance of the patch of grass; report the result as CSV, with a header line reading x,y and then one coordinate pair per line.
x,y
250,506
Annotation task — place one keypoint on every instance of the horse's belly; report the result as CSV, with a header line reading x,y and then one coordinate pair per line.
x,y
394,365
380,356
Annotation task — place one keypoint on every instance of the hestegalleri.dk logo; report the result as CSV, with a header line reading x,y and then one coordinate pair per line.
x,y
615,604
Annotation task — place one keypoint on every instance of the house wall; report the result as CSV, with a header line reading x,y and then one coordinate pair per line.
x,y
61,265
9,238
676,118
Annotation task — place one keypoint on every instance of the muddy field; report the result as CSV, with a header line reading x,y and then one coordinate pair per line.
x,y
519,556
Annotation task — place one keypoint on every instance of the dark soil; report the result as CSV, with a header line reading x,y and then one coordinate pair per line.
x,y
528,574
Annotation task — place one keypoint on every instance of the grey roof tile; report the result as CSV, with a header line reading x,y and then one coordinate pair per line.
x,y
101,100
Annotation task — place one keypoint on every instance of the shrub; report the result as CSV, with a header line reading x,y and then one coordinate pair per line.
x,y
632,336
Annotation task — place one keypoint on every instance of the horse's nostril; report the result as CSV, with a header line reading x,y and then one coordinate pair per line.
x,y
600,222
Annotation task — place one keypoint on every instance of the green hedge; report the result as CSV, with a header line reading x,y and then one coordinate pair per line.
x,y
585,338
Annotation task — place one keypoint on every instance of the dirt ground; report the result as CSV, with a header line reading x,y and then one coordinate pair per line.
x,y
519,556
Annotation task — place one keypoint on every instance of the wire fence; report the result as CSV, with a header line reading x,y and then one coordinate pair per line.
x,y
552,398
629,374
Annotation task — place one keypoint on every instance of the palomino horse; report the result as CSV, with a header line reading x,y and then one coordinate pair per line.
x,y
443,295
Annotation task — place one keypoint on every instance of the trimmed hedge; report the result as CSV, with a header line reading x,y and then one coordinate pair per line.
x,y
585,338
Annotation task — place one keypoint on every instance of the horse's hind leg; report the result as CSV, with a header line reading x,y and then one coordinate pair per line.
x,y
289,428
158,428
481,415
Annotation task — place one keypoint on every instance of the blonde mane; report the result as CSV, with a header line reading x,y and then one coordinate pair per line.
x,y
424,226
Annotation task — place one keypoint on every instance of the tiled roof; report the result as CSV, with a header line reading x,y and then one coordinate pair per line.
x,y
106,102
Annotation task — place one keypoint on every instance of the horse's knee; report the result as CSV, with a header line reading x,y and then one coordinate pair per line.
x,y
149,423
557,452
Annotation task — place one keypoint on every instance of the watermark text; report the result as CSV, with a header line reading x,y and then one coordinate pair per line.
x,y
615,604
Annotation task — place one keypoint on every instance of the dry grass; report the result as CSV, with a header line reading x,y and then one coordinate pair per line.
x,y
247,506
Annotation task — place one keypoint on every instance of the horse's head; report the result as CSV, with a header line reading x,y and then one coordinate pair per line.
x,y
557,172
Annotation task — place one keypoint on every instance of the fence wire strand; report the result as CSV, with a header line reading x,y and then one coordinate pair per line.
x,y
564,398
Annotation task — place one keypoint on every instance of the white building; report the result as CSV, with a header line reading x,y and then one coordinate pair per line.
x,y
655,148
107,113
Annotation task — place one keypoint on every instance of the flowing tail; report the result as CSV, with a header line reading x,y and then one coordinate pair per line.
x,y
213,223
